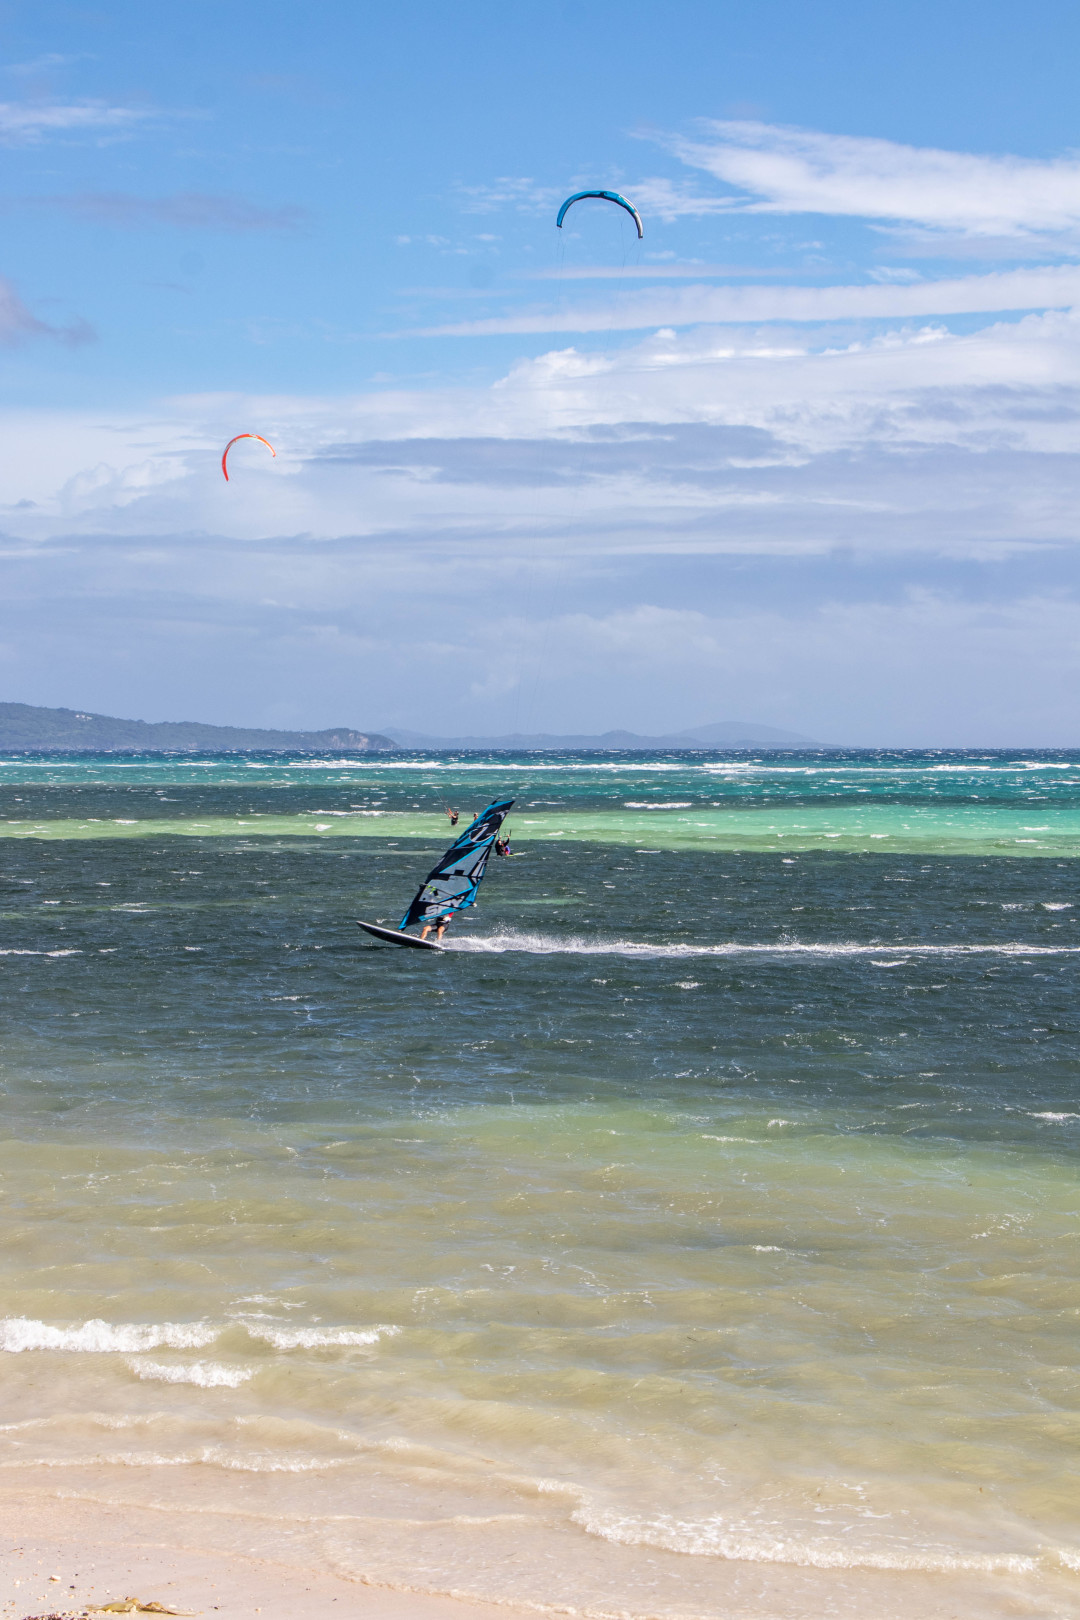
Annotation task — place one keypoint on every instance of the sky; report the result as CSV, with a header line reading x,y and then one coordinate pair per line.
x,y
806,454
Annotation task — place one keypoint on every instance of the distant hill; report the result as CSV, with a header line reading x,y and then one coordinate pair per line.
x,y
22,726
721,734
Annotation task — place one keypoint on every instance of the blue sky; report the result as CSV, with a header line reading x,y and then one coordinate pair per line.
x,y
807,454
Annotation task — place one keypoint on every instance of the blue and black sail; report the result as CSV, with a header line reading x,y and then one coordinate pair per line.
x,y
452,883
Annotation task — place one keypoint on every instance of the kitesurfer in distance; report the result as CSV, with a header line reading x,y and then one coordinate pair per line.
x,y
440,925
453,817
502,845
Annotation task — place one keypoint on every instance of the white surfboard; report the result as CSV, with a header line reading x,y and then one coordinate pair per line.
x,y
394,936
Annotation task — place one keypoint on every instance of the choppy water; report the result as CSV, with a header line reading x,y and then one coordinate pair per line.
x,y
697,1236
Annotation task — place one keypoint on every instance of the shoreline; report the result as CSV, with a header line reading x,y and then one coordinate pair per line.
x,y
103,1554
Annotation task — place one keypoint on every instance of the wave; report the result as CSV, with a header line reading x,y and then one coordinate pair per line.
x,y
720,1538
300,1338
19,1333
575,945
206,1374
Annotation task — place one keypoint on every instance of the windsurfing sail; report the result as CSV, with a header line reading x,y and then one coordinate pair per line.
x,y
452,883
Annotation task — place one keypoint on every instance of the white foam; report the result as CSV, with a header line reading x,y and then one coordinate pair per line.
x,y
206,1374
18,1333
575,945
313,1338
720,1538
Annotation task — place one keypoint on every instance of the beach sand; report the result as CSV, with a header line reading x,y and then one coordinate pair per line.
x,y
102,1554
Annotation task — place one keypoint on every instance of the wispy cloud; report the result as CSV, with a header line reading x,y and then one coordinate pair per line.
x,y
188,210
18,325
670,202
25,122
780,170
655,272
517,191
1050,288
47,63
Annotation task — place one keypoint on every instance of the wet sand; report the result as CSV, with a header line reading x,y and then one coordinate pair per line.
x,y
102,1554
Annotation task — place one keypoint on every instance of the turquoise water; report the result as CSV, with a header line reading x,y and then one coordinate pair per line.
x,y
939,803
696,1236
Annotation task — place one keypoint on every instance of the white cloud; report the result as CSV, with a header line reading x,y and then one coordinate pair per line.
x,y
870,544
508,190
30,121
663,198
687,270
46,63
1053,287
709,443
781,170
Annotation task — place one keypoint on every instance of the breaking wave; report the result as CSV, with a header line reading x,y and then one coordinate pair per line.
x,y
206,1374
19,1333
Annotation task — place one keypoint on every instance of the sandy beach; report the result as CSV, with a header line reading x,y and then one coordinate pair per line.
x,y
68,1558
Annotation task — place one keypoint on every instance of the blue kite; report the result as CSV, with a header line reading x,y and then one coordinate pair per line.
x,y
607,196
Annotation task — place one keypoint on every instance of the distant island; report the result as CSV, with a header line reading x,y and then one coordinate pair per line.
x,y
25,727
720,734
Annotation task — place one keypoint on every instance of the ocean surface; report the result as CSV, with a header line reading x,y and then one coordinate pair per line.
x,y
698,1236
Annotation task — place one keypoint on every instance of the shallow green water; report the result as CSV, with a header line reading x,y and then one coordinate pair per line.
x,y
697,1236
933,804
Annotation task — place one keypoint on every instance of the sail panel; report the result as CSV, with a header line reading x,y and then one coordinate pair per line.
x,y
452,883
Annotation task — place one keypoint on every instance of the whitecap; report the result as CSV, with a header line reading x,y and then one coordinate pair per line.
x,y
18,1333
314,1338
206,1374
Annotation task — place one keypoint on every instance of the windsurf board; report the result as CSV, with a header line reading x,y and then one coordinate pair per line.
x,y
394,936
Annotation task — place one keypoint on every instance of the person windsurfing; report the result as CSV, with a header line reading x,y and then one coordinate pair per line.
x,y
452,883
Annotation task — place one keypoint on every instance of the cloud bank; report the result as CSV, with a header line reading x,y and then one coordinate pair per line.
x,y
874,543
